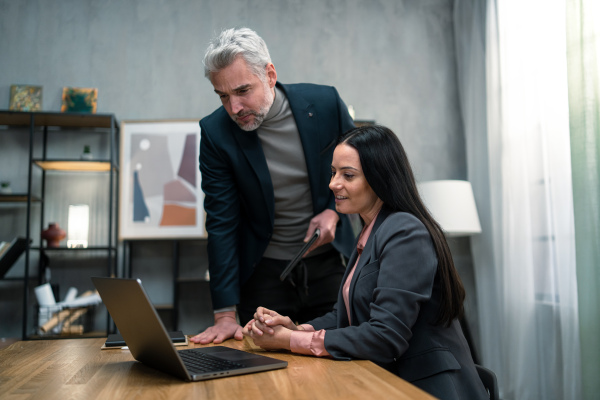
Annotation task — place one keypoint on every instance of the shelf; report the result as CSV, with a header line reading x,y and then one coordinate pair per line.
x,y
89,248
69,120
69,165
52,126
16,198
90,334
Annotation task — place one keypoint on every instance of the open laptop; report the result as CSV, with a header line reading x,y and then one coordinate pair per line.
x,y
149,342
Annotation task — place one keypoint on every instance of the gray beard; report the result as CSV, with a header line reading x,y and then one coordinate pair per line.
x,y
260,115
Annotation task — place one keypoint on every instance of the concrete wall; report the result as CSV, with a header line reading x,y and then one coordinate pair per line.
x,y
392,60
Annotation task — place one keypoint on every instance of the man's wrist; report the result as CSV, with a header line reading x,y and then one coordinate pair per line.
x,y
227,315
223,309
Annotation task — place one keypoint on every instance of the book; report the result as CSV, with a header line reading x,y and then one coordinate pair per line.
x,y
10,252
116,341
25,98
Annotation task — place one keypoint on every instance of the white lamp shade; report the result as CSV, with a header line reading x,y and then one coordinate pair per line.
x,y
452,205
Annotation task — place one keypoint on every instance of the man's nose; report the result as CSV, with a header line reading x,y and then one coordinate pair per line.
x,y
236,105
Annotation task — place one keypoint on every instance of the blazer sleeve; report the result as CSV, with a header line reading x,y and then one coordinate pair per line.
x,y
396,280
221,203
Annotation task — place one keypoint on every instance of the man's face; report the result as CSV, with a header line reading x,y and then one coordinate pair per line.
x,y
245,96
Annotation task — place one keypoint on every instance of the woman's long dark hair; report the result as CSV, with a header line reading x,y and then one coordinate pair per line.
x,y
388,172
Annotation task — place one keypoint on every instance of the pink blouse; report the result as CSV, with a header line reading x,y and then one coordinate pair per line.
x,y
311,342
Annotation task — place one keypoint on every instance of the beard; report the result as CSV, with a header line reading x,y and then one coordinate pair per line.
x,y
259,116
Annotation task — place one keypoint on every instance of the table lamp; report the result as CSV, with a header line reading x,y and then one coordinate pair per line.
x,y
452,204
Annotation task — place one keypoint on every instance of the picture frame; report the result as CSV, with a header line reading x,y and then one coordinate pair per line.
x,y
25,98
159,193
80,100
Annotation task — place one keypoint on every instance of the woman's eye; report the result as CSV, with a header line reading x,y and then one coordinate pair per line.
x,y
348,176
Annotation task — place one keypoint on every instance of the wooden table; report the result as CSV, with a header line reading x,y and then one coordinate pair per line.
x,y
78,369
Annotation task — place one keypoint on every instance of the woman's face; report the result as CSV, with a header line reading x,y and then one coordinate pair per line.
x,y
353,195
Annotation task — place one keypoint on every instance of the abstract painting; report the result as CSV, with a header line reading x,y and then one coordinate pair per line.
x,y
160,195
25,98
82,100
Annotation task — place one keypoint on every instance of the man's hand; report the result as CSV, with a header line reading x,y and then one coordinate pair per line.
x,y
326,222
225,327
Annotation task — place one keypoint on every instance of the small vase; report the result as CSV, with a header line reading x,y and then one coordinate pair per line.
x,y
87,153
53,235
5,188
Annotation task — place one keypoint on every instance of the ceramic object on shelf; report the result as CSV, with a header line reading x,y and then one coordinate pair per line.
x,y
5,188
53,235
87,153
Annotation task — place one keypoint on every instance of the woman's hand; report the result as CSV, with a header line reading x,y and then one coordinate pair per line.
x,y
269,330
267,319
278,337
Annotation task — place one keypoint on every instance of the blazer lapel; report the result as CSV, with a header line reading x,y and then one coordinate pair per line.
x,y
250,145
366,254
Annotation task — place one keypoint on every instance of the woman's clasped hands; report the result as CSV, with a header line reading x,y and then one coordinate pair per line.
x,y
269,330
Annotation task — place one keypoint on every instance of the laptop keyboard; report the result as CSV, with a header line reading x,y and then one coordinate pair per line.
x,y
198,362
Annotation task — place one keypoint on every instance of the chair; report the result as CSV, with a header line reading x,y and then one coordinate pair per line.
x,y
488,377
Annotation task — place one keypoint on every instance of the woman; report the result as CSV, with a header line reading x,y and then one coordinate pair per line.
x,y
401,296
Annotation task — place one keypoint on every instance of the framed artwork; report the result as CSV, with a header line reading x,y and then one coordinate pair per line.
x,y
83,100
160,195
25,98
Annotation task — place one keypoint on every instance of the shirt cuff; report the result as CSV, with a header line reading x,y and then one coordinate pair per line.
x,y
230,308
309,342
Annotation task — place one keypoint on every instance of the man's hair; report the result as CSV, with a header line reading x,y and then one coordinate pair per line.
x,y
229,44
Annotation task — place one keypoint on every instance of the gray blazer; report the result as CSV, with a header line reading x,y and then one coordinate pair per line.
x,y
394,297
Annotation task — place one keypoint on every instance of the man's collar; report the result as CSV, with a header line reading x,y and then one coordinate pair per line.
x,y
277,104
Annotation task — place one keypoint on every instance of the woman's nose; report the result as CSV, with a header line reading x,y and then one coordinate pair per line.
x,y
334,183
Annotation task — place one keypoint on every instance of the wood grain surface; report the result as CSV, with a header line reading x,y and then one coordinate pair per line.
x,y
78,369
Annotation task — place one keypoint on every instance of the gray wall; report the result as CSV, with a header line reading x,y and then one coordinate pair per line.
x,y
392,60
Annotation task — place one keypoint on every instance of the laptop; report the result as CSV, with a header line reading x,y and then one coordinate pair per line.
x,y
148,340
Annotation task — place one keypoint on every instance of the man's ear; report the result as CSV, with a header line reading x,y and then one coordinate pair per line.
x,y
271,75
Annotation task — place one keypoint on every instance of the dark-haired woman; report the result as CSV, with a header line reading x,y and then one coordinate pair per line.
x,y
401,296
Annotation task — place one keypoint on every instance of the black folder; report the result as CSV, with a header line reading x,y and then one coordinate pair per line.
x,y
115,340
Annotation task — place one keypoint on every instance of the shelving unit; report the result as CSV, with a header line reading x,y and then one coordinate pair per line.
x,y
188,265
48,126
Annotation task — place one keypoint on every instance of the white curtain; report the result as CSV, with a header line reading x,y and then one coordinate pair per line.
x,y
513,80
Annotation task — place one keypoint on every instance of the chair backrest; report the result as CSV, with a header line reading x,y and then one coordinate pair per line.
x,y
488,377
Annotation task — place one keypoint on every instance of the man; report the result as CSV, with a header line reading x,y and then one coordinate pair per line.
x,y
265,159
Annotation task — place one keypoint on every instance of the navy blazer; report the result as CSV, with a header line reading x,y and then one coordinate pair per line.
x,y
239,198
393,300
